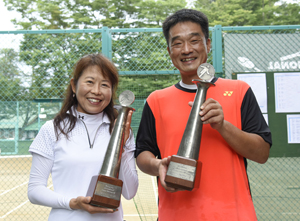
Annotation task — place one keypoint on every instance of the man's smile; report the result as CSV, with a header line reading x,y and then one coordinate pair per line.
x,y
187,59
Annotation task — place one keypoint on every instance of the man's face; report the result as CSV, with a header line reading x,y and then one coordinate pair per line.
x,y
188,49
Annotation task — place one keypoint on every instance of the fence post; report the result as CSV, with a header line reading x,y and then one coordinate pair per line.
x,y
17,131
106,42
39,113
217,49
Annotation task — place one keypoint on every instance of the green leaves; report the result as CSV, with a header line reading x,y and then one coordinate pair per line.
x,y
51,57
249,13
143,85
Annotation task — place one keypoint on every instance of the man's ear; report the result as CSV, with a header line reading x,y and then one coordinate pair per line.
x,y
208,45
168,49
73,85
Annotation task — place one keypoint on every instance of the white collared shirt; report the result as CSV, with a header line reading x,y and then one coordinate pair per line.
x,y
72,163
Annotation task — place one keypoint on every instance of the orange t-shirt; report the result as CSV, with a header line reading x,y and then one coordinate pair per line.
x,y
223,192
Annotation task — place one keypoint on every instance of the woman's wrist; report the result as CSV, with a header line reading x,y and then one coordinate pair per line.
x,y
73,204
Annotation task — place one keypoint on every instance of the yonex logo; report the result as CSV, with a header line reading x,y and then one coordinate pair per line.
x,y
82,117
228,93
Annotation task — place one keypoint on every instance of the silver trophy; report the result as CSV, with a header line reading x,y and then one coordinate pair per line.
x,y
105,188
184,166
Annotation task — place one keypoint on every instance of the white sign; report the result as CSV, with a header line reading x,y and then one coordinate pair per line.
x,y
258,84
293,125
287,92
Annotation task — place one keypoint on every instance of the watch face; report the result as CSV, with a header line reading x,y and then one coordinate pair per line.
x,y
206,72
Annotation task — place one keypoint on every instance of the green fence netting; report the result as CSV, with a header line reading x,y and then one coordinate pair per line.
x,y
35,67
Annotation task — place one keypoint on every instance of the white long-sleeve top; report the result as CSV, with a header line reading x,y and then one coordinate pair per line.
x,y
72,164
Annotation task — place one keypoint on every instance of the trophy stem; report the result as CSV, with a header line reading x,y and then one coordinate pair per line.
x,y
112,159
105,188
184,170
190,142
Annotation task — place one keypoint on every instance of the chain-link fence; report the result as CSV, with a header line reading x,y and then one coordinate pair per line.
x,y
35,67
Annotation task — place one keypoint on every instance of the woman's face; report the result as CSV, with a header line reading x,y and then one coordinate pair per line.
x,y
93,91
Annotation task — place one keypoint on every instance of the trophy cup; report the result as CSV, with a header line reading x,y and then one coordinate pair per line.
x,y
183,167
105,188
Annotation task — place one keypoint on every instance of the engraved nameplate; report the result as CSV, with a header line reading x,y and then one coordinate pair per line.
x,y
108,190
181,171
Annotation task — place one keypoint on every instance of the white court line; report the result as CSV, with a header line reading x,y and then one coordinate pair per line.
x,y
291,213
14,209
140,215
282,213
19,205
15,156
154,188
13,188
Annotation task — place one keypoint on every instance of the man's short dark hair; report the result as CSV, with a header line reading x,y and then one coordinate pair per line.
x,y
184,15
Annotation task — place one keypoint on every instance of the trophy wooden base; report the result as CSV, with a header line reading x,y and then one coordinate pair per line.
x,y
182,172
105,191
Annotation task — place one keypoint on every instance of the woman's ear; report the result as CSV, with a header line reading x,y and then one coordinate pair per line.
x,y
73,86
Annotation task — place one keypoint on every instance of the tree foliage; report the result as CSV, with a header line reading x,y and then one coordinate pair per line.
x,y
287,14
249,13
10,74
73,14
52,56
11,88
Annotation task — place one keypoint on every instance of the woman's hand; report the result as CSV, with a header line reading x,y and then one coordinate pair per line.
x,y
127,126
82,203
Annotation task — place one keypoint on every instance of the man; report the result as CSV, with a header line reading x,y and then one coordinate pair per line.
x,y
233,130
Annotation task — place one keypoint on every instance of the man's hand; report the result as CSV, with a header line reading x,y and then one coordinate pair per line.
x,y
248,145
149,164
211,112
162,170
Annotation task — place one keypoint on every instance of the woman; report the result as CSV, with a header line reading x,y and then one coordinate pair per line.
x,y
72,146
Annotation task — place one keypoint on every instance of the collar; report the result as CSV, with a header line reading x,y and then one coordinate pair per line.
x,y
92,118
191,88
188,86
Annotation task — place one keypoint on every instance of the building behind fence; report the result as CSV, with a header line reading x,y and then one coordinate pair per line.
x,y
35,67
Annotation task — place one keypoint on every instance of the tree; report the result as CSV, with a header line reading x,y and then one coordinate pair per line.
x,y
153,12
287,14
249,13
10,75
12,89
62,14
52,56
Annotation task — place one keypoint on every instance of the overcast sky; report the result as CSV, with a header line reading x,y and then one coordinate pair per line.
x,y
5,17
